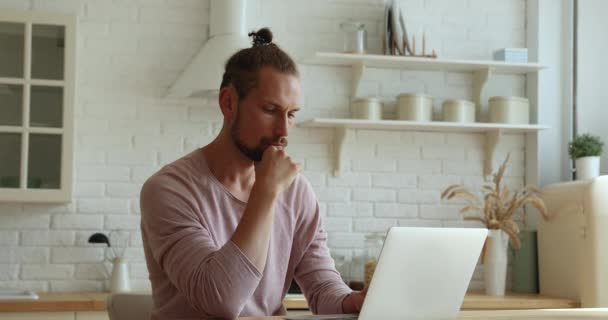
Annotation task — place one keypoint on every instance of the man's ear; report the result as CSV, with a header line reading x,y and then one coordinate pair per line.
x,y
228,101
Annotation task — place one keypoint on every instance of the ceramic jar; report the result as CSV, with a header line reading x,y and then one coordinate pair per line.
x,y
414,107
510,110
458,111
366,108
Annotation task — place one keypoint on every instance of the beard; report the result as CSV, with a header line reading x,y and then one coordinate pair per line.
x,y
254,154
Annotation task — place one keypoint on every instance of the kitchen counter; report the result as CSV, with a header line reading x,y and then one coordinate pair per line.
x,y
58,302
544,314
96,301
478,301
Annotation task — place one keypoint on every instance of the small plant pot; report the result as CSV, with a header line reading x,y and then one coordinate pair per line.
x,y
587,168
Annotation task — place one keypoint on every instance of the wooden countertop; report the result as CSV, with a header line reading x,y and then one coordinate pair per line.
x,y
478,301
55,302
544,314
96,301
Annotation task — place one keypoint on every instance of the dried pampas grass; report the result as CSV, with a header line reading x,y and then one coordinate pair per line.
x,y
498,205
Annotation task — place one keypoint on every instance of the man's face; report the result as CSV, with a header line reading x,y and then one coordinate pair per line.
x,y
265,115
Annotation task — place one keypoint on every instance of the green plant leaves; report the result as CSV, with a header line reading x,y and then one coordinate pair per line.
x,y
585,145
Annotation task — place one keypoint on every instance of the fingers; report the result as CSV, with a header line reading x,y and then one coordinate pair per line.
x,y
296,165
299,166
278,151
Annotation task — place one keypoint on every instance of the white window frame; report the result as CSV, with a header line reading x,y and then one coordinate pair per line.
x,y
64,194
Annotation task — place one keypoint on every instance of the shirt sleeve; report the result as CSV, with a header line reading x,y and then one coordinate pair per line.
x,y
316,274
216,280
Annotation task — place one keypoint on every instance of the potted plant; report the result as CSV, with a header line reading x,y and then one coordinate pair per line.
x,y
585,150
497,208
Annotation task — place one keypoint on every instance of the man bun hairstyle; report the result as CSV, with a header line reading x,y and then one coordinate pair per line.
x,y
241,69
261,38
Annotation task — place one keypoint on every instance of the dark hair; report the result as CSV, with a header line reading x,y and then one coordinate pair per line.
x,y
242,68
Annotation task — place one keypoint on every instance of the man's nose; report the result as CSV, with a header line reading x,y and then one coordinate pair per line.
x,y
282,126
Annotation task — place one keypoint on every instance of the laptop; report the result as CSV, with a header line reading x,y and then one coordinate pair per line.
x,y
422,273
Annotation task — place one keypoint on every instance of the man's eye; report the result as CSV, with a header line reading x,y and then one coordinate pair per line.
x,y
292,115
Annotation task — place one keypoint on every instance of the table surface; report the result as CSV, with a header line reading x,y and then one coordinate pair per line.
x,y
96,301
538,314
478,301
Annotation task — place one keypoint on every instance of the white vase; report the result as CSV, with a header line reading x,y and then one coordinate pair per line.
x,y
495,269
587,168
120,276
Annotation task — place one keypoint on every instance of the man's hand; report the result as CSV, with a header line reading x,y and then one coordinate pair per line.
x,y
276,171
273,174
353,302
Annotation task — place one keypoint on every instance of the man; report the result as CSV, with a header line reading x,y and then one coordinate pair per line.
x,y
227,227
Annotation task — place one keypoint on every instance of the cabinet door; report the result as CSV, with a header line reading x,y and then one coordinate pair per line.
x,y
92,315
38,315
36,106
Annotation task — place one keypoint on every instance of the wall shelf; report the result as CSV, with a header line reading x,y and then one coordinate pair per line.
x,y
482,70
428,64
493,132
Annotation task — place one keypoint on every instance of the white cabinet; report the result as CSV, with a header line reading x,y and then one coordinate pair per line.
x,y
80,315
36,106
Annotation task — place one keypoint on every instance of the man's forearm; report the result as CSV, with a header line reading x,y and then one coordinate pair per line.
x,y
252,235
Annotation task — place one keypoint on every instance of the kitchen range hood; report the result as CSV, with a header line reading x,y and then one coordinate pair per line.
x,y
227,35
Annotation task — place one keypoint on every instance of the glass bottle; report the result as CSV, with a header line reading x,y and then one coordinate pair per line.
x,y
373,246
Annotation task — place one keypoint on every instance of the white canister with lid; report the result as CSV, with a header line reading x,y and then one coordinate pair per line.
x,y
414,107
366,108
511,110
458,111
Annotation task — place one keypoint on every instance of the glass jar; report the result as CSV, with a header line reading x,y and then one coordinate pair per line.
x,y
373,246
343,264
354,36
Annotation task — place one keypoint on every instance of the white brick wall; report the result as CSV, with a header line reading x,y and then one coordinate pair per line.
x,y
24,254
48,238
9,238
11,219
129,52
77,221
47,271
77,255
9,272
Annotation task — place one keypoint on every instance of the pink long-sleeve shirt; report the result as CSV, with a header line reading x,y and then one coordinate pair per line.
x,y
197,272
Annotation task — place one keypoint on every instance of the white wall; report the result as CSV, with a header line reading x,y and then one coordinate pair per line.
x,y
130,51
549,29
592,70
